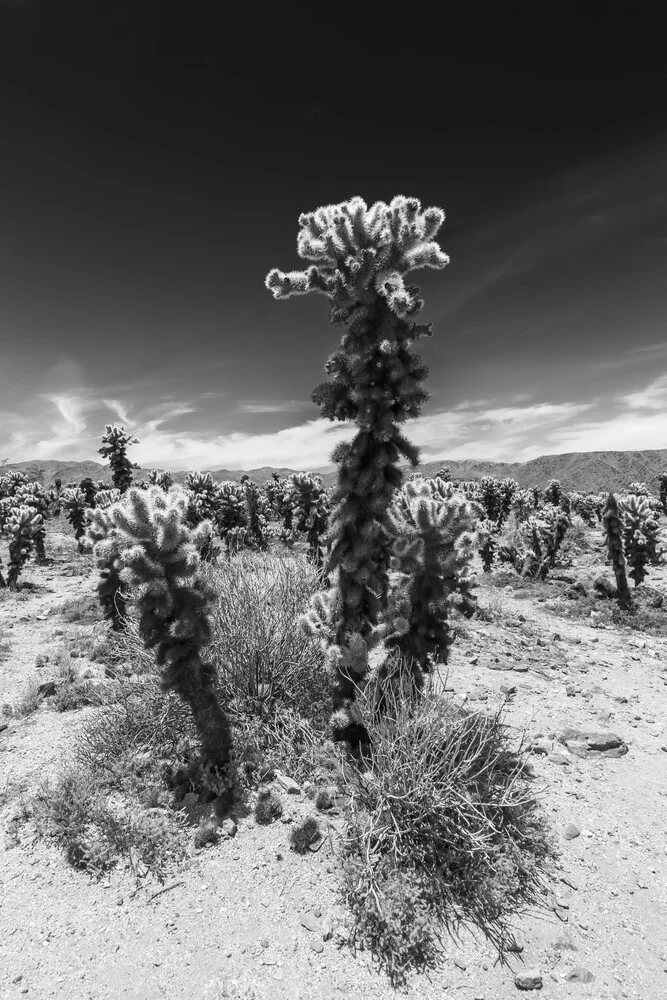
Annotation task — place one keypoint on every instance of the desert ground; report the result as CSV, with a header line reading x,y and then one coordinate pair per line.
x,y
247,917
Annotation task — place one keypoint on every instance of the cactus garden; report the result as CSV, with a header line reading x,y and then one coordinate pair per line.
x,y
403,724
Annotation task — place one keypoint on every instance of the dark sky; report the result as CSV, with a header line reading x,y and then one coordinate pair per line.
x,y
155,159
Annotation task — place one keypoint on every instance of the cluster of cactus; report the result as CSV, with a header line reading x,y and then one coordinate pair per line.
x,y
361,257
534,550
278,495
640,535
163,479
115,442
146,538
309,502
588,506
19,495
523,504
496,497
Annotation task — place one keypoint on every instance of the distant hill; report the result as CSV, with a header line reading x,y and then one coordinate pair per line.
x,y
588,472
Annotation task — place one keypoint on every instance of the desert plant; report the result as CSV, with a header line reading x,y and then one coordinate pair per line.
x,y
361,257
21,525
74,504
115,441
268,807
303,835
310,504
487,534
163,479
257,528
612,521
159,558
103,539
433,540
662,479
640,535
553,494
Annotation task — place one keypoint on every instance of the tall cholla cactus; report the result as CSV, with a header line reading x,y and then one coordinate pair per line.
x,y
612,521
114,447
20,525
431,571
311,513
73,502
554,492
361,258
159,556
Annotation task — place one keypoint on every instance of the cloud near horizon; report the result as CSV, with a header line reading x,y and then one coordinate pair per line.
x,y
516,430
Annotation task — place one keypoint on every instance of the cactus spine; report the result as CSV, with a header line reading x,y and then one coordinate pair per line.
x,y
361,257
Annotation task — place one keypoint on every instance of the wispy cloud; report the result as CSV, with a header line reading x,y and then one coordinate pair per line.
x,y
290,406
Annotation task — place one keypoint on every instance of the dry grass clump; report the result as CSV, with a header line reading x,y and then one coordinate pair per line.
x,y
442,828
303,835
268,807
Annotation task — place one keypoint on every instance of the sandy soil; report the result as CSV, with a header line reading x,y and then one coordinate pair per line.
x,y
230,921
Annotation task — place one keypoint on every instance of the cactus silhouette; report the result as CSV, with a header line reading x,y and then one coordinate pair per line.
x,y
114,447
361,257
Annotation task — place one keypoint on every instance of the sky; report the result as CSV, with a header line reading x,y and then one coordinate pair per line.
x,y
155,159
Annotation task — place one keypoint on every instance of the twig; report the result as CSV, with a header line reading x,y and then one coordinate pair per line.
x,y
166,889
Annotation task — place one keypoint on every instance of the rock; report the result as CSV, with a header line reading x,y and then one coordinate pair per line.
x,y
311,922
190,800
529,979
580,975
327,930
564,943
47,689
230,827
473,660
558,758
41,659
519,667
583,744
570,690
540,746
571,831
288,784
508,690
317,946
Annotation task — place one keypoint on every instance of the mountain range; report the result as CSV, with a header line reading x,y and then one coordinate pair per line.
x,y
587,472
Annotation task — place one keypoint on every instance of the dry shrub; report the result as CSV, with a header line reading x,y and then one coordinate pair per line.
x,y
442,828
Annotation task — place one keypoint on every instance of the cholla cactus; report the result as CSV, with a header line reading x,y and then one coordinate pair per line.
x,y
487,535
20,525
103,538
90,490
159,556
554,492
522,504
431,571
640,536
232,515
104,498
278,493
114,447
40,501
613,526
311,513
638,489
662,479
257,527
361,259
73,501
162,479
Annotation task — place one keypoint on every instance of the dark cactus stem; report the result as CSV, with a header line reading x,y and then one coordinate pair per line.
x,y
613,526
